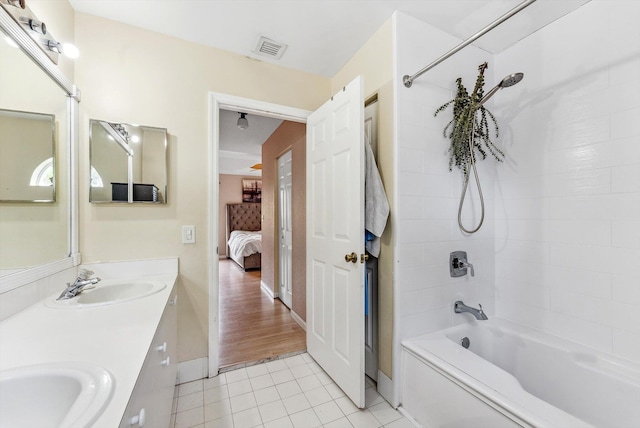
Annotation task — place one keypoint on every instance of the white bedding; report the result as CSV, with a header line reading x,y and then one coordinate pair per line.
x,y
243,243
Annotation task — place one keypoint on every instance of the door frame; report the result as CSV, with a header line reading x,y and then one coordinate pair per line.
x,y
219,102
279,208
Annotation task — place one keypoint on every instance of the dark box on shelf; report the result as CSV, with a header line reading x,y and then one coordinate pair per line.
x,y
119,192
141,192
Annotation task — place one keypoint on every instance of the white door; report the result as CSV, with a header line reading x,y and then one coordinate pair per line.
x,y
335,231
284,228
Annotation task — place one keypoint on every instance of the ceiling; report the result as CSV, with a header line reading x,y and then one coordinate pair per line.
x,y
322,35
239,149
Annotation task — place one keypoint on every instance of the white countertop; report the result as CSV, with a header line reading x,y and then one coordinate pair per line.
x,y
115,337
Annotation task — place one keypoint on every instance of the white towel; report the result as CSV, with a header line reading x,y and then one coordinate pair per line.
x,y
376,205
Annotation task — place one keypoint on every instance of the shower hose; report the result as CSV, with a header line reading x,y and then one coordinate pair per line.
x,y
471,163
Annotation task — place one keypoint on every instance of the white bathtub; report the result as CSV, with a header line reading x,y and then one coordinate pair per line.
x,y
514,376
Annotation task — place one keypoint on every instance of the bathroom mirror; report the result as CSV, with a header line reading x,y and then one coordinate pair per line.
x,y
128,163
34,143
27,157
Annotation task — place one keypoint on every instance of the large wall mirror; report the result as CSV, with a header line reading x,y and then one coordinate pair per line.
x,y
128,163
33,144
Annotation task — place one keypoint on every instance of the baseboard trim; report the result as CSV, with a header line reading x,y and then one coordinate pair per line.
x,y
385,388
298,320
192,370
268,290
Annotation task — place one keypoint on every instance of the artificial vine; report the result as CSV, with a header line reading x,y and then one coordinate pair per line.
x,y
470,122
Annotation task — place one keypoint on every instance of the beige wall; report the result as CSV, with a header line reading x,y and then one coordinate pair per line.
x,y
374,61
136,76
230,193
288,136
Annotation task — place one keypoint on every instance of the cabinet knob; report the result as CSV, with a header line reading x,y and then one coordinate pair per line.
x,y
162,348
138,419
166,362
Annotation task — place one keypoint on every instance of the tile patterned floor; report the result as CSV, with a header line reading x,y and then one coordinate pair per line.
x,y
293,392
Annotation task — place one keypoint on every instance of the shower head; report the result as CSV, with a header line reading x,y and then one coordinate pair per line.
x,y
510,80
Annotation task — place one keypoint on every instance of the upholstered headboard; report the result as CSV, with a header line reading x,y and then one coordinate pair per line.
x,y
245,216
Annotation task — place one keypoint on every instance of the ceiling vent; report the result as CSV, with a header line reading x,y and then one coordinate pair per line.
x,y
270,48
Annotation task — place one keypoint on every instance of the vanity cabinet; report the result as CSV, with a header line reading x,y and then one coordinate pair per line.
x,y
152,398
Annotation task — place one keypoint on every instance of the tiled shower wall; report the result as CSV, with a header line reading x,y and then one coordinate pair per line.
x,y
428,192
567,213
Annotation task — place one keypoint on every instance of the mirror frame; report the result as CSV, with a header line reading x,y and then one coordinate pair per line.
x,y
32,50
129,152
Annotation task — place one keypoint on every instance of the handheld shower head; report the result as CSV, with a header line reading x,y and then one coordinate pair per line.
x,y
508,81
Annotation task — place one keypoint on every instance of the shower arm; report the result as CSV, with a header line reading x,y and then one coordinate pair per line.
x,y
408,80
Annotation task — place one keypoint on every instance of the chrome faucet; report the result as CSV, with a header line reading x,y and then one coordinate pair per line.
x,y
83,279
459,307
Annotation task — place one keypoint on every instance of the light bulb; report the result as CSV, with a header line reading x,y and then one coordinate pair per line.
x,y
70,50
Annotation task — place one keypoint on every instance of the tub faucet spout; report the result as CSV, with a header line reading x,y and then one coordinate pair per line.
x,y
459,307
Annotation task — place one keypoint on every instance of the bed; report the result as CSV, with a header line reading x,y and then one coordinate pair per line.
x,y
244,243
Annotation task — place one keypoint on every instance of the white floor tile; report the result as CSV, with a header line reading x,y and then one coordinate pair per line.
x,y
371,397
239,388
190,401
296,403
190,387
308,383
324,378
282,376
217,393
279,423
276,365
247,418
305,419
340,423
189,418
261,382
257,370
288,389
272,411
266,395
363,419
224,422
384,413
213,382
401,423
328,412
237,375
243,402
294,361
217,410
301,371
317,396
334,391
346,405
307,357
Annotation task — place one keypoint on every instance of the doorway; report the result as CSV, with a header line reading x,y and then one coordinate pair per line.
x,y
224,273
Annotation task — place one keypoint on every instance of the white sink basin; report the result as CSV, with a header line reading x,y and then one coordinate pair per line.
x,y
110,292
58,394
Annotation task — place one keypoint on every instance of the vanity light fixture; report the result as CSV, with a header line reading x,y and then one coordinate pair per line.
x,y
34,25
67,49
243,123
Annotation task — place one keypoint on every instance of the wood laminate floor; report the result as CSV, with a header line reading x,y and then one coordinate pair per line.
x,y
253,326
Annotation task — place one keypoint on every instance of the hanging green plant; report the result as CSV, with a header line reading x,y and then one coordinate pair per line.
x,y
470,123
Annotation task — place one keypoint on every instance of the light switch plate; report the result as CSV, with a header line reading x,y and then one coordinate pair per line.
x,y
188,234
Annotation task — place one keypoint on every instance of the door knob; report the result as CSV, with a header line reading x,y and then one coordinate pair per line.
x,y
364,258
353,258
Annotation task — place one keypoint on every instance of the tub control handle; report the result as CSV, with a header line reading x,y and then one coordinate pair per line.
x,y
458,264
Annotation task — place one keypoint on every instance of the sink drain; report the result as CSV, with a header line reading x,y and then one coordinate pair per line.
x,y
465,342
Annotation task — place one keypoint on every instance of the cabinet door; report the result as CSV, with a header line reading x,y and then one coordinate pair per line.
x,y
150,403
